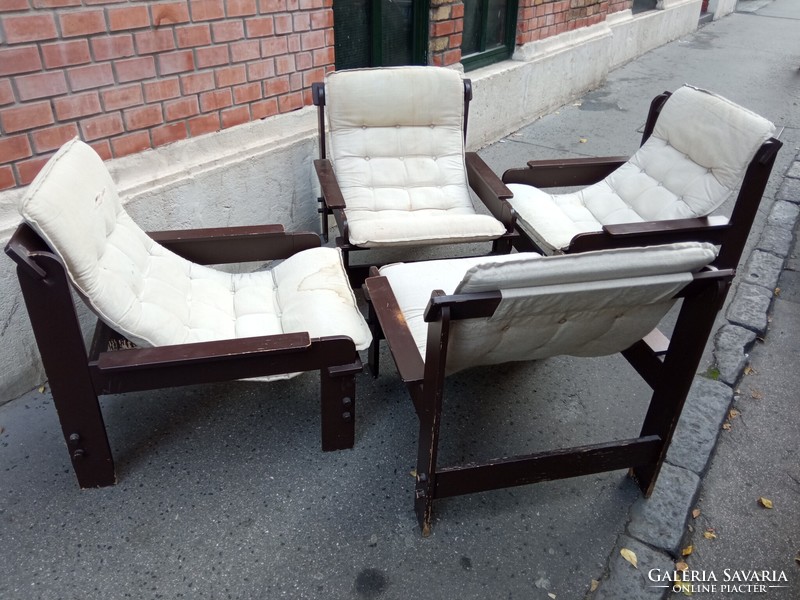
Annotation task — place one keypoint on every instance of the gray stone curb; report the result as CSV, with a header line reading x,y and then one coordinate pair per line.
x,y
658,525
731,346
625,580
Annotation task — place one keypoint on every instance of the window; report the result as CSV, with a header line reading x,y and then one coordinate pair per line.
x,y
489,31
380,33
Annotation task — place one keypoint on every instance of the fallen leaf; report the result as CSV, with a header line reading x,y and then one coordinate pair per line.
x,y
553,596
413,472
726,426
709,534
687,551
630,556
765,502
777,291
595,584
695,513
690,528
685,587
749,370
583,140
681,566
756,395
41,389
733,413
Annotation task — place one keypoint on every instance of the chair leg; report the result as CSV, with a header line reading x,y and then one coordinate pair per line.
x,y
323,219
338,407
60,341
430,417
694,325
85,433
374,351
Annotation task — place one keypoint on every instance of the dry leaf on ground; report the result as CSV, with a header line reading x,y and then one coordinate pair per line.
x,y
765,502
687,551
595,584
695,513
756,395
630,556
681,566
710,534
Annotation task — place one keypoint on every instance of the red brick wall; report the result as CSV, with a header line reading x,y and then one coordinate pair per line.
x,y
127,75
540,19
446,25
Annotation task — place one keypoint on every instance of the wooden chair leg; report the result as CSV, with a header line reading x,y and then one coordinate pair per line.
x,y
426,468
85,433
60,342
695,321
338,406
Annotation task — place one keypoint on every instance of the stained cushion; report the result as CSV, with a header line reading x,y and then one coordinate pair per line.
x,y
588,304
156,298
397,146
695,159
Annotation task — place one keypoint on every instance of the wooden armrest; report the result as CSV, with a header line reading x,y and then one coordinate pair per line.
x,y
490,189
697,224
201,352
624,235
331,192
463,306
565,172
404,349
221,245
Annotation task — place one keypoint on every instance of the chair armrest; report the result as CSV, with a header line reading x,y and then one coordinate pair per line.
x,y
701,229
221,360
490,189
395,329
331,192
565,172
220,245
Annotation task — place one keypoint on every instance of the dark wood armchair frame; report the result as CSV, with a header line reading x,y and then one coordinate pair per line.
x,y
668,374
729,233
483,181
77,377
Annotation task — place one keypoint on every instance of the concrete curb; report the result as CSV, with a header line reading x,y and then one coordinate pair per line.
x,y
657,526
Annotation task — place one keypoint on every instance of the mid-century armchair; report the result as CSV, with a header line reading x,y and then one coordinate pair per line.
x,y
697,150
395,171
442,316
178,322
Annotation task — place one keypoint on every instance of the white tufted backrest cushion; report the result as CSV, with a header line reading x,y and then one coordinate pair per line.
x,y
589,304
153,296
396,138
696,157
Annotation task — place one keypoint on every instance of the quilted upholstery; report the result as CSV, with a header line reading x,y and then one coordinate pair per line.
x,y
396,143
156,298
589,304
694,160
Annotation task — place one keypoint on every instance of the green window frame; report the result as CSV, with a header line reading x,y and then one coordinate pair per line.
x,y
489,35
380,33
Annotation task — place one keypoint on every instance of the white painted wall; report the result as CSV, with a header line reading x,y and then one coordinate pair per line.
x,y
262,172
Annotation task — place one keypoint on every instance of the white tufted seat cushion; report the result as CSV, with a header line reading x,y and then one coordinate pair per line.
x,y
695,159
589,304
156,298
397,146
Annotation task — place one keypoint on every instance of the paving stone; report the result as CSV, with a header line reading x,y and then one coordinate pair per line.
x,y
699,425
764,268
783,214
750,306
661,519
731,345
794,170
789,190
629,582
777,240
